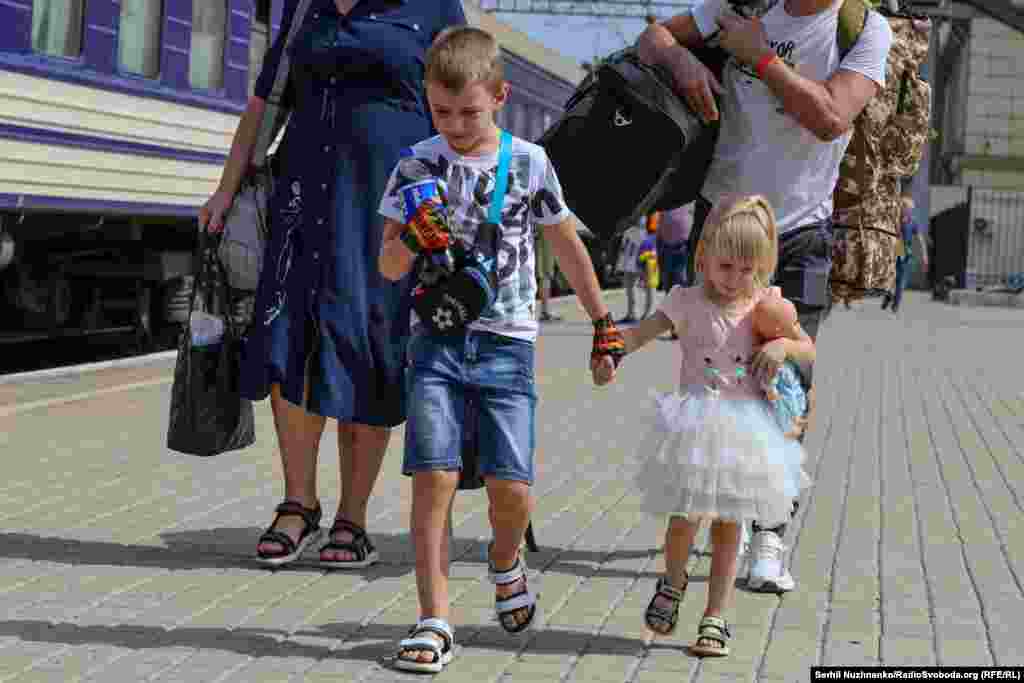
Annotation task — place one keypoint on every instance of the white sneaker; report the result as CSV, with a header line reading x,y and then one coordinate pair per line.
x,y
767,575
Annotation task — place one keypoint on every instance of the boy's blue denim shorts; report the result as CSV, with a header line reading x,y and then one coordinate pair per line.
x,y
495,373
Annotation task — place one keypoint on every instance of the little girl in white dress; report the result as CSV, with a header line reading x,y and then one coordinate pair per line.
x,y
715,449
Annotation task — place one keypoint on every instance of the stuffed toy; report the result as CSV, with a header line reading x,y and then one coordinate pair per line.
x,y
772,318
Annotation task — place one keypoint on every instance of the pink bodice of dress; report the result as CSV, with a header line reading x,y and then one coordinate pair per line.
x,y
717,346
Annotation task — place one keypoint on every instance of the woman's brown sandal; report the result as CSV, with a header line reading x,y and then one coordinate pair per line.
x,y
290,549
360,546
712,630
657,618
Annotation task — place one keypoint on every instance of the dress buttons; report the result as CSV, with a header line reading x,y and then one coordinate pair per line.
x,y
373,16
333,80
316,255
323,186
415,27
319,221
316,15
327,148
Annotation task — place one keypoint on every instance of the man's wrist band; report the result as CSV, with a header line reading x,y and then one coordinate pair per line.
x,y
763,63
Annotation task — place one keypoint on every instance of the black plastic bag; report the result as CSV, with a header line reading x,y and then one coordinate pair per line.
x,y
207,413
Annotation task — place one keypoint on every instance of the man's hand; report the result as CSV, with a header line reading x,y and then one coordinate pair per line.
x,y
744,39
695,82
428,229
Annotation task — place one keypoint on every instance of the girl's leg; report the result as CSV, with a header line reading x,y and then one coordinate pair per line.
x,y
432,494
298,435
725,535
662,611
678,539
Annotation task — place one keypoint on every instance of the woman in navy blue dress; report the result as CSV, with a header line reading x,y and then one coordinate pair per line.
x,y
329,332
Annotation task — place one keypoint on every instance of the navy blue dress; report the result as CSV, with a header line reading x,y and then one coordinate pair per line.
x,y
327,326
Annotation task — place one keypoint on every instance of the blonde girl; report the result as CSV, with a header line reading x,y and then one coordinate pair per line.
x,y
715,450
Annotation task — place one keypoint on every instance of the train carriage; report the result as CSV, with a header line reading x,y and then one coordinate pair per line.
x,y
115,120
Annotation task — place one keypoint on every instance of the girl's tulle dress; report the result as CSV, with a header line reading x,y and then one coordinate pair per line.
x,y
715,448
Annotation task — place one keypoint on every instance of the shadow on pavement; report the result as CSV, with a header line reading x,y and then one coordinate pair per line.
x,y
368,643
234,548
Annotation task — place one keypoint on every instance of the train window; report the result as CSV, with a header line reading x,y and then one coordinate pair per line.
x,y
57,27
209,31
138,49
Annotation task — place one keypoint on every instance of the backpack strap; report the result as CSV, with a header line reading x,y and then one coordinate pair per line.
x,y
853,16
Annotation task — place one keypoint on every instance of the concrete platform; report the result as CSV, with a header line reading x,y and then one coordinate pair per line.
x,y
122,561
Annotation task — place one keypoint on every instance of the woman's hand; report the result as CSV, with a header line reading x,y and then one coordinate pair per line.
x,y
768,360
211,215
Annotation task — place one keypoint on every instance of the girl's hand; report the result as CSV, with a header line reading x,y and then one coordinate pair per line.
x,y
768,359
211,215
603,370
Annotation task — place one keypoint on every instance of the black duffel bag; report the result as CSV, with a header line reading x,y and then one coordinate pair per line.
x,y
628,145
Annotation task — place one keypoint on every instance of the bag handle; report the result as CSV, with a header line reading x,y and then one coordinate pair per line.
x,y
501,179
208,261
275,114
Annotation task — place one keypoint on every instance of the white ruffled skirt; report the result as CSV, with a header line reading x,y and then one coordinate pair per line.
x,y
708,456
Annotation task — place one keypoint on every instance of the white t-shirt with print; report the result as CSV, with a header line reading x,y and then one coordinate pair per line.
x,y
761,149
533,199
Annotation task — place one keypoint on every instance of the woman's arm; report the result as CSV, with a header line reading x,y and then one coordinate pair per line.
x,y
211,215
395,259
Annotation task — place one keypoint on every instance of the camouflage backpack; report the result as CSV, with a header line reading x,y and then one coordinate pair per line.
x,y
888,140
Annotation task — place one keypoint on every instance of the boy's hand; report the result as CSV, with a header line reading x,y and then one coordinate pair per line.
x,y
428,229
608,342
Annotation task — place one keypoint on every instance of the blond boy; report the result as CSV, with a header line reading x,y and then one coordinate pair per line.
x,y
492,359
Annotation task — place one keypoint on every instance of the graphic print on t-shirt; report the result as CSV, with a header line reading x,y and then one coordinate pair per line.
x,y
533,198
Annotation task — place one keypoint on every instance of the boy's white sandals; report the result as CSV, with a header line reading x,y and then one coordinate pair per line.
x,y
419,642
506,608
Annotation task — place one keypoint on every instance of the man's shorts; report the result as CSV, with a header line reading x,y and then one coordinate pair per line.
x,y
545,258
496,373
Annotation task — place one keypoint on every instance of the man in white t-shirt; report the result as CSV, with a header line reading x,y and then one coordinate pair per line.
x,y
788,102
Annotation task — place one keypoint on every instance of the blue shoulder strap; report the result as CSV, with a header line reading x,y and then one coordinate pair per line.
x,y
501,181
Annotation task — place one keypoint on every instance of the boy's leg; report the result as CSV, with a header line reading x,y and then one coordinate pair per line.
x,y
502,370
433,436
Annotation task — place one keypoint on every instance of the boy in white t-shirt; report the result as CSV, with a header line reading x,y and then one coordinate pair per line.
x,y
490,359
789,99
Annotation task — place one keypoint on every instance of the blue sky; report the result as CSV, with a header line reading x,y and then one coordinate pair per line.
x,y
580,38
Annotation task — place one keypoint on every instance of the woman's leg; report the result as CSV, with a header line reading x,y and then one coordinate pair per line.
x,y
629,282
298,434
361,450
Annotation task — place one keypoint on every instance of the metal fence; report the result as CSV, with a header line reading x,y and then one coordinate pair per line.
x,y
995,245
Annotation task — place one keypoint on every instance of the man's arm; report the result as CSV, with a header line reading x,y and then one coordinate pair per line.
x,y
667,45
826,108
575,263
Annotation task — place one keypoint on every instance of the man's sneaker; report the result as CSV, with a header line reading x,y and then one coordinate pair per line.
x,y
767,575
